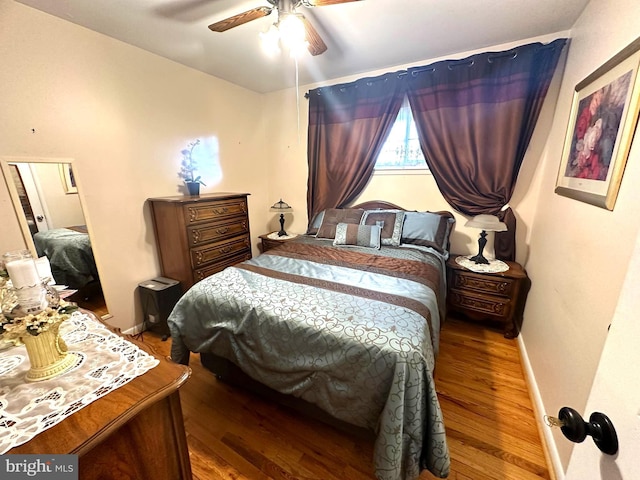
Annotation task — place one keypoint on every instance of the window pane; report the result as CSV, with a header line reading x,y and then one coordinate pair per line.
x,y
402,148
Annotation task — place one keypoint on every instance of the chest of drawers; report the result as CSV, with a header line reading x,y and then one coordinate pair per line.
x,y
200,235
496,297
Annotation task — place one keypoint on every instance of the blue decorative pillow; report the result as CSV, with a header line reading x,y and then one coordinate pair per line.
x,y
315,223
427,229
359,235
390,221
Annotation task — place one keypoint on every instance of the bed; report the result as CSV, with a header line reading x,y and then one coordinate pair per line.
x,y
345,318
70,255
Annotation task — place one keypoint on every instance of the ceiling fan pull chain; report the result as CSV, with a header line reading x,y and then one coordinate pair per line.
x,y
295,59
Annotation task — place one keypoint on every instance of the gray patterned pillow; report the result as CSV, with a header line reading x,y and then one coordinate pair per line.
x,y
391,222
359,235
427,229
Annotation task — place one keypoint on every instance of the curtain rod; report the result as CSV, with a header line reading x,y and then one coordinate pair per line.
x,y
414,71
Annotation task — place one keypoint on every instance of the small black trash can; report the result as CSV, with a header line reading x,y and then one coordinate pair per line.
x,y
158,296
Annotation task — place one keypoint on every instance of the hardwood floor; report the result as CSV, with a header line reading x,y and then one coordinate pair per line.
x,y
233,434
91,298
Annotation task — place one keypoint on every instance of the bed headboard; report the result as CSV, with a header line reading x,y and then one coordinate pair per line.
x,y
377,204
383,205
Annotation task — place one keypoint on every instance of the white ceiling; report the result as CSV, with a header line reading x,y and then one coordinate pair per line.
x,y
361,36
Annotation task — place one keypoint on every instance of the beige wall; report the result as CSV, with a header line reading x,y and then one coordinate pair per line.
x,y
64,209
122,115
579,253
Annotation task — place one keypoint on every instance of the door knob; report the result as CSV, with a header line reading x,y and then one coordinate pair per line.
x,y
40,218
576,429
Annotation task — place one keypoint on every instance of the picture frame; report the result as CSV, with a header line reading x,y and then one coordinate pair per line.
x,y
602,123
68,179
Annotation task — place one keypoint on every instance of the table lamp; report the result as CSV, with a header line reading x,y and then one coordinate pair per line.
x,y
487,223
281,208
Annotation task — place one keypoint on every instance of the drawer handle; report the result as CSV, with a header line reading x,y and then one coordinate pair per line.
x,y
222,230
220,211
225,249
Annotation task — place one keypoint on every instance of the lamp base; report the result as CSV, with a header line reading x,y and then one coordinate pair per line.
x,y
479,259
482,241
282,233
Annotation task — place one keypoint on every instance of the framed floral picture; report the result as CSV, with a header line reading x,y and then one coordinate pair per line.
x,y
603,120
68,180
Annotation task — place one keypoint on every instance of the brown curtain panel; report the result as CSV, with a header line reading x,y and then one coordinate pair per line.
x,y
475,119
348,125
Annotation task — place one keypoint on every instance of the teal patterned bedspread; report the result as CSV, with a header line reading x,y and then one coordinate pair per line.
x,y
352,330
70,255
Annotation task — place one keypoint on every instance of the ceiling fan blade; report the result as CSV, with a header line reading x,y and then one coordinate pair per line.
x,y
240,19
316,44
323,3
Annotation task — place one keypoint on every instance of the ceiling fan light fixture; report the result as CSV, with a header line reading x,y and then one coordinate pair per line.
x,y
293,34
270,41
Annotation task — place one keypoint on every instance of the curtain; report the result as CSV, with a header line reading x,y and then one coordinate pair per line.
x,y
475,118
348,125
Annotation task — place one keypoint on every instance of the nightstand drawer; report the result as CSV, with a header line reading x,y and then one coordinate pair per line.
x,y
483,283
480,304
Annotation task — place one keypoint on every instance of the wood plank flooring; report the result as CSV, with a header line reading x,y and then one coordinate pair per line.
x,y
233,434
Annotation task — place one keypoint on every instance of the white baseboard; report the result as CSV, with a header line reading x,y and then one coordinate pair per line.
x,y
548,442
136,329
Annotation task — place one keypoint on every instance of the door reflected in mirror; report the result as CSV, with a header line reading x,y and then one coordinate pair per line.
x,y
55,224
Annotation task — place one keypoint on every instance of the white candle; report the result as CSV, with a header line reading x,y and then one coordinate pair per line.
x,y
23,273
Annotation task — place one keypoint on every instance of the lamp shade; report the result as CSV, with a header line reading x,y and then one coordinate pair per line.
x,y
488,223
280,207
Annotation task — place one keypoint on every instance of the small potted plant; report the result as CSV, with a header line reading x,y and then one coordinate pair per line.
x,y
188,167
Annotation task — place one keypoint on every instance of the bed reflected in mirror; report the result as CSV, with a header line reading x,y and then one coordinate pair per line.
x,y
54,227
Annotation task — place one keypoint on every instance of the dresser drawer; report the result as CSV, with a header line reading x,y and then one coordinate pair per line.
x,y
215,231
215,252
479,304
201,273
215,210
492,285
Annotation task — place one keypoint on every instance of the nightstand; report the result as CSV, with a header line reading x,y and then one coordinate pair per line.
x,y
271,240
497,297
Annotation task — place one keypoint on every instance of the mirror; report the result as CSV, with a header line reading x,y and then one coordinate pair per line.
x,y
53,223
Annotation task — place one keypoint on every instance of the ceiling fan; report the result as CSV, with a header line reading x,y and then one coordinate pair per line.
x,y
284,8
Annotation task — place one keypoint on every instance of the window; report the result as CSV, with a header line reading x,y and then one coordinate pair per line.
x,y
402,149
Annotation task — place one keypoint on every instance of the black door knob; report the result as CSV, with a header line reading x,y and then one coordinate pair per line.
x,y
599,428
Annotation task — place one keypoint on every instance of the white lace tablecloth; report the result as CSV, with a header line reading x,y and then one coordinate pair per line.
x,y
106,361
494,266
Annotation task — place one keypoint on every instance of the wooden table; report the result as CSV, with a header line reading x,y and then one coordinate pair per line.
x,y
134,432
268,242
498,297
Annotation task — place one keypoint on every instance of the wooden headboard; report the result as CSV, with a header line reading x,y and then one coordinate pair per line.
x,y
377,204
383,205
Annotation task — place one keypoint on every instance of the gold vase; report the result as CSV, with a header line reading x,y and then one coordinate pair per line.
x,y
48,354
